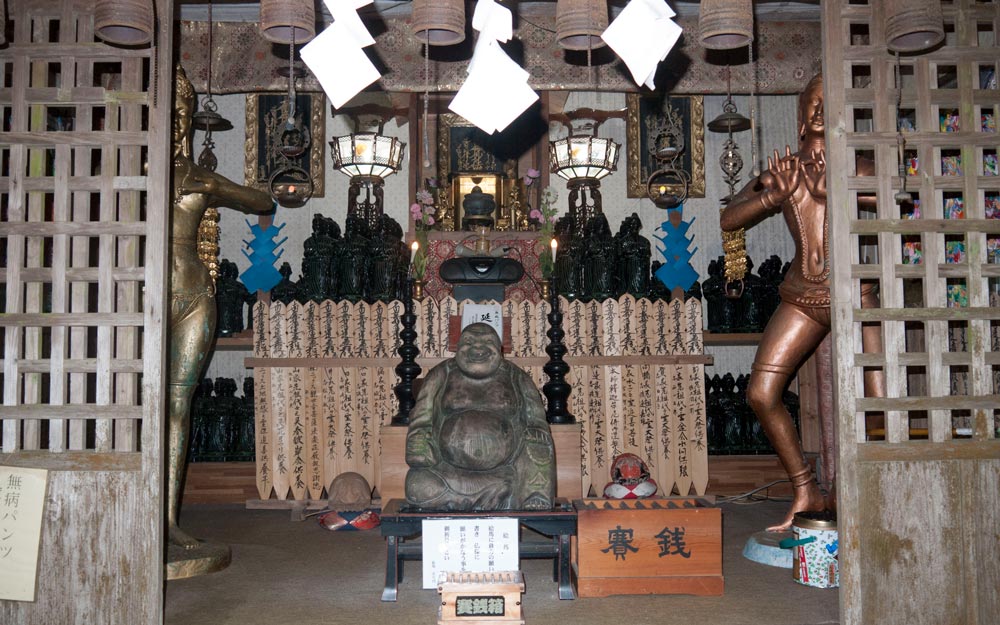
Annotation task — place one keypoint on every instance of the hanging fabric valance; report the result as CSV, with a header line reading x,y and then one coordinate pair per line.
x,y
788,52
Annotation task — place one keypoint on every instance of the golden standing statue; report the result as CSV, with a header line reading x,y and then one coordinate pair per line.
x,y
192,289
795,186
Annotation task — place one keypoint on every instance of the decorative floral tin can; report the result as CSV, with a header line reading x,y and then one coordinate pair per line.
x,y
815,549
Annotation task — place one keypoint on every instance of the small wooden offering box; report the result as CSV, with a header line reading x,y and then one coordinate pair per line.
x,y
670,545
481,598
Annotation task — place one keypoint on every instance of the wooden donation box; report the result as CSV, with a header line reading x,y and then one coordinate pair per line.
x,y
669,545
481,598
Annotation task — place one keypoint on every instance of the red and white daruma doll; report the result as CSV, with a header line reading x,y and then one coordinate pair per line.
x,y
629,479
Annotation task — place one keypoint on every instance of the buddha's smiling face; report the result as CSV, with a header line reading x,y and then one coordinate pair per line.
x,y
478,354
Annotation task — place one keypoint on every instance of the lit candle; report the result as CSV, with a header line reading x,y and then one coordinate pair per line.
x,y
555,245
413,250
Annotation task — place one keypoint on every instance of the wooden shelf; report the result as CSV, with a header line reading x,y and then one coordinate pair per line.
x,y
240,342
244,341
714,338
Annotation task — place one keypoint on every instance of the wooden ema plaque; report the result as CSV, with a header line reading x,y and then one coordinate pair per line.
x,y
669,545
481,598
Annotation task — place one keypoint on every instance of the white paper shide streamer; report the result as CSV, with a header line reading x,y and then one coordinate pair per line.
x,y
496,90
337,57
642,35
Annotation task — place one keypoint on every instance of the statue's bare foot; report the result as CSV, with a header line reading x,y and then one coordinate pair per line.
x,y
179,537
537,501
807,498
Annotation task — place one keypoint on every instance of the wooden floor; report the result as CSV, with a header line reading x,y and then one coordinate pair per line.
x,y
233,482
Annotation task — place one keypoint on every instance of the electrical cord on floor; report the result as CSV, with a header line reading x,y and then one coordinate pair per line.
x,y
749,495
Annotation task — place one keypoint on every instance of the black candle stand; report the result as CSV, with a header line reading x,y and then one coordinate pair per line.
x,y
556,390
407,369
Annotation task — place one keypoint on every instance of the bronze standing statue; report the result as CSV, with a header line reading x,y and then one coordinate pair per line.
x,y
192,290
795,186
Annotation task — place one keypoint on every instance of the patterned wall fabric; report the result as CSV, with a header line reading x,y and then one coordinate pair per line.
x,y
243,61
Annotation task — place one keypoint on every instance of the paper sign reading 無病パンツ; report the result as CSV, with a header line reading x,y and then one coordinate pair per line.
x,y
22,500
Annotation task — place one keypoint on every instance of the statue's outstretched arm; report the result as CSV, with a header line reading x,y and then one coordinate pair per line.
x,y
224,192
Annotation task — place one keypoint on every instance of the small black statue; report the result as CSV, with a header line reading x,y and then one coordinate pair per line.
x,y
285,291
230,297
599,259
657,290
634,252
715,295
352,269
384,260
243,433
751,317
317,276
202,409
570,269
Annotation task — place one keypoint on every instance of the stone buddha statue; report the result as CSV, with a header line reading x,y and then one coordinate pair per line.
x,y
478,438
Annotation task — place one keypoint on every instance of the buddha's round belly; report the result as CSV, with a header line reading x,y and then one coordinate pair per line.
x,y
477,440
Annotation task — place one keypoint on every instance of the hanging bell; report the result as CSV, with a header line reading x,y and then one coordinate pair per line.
x,y
913,25
725,24
285,21
209,119
439,22
579,24
124,22
729,120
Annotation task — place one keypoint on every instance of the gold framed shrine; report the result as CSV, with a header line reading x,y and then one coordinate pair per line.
x,y
466,157
644,114
265,113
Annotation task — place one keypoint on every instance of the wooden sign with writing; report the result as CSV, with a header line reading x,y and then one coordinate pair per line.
x,y
694,389
648,546
328,393
297,400
681,413
22,501
262,401
280,471
315,432
666,472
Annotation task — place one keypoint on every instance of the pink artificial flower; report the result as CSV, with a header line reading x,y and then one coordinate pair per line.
x,y
415,210
553,219
424,197
432,183
533,173
429,220
535,214
429,210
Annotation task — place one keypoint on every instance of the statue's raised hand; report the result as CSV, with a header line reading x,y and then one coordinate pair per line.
x,y
784,171
815,173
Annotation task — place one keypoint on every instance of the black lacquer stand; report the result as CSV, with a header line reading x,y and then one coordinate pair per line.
x,y
556,390
407,369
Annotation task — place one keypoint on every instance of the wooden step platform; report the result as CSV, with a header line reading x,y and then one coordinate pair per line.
x,y
233,482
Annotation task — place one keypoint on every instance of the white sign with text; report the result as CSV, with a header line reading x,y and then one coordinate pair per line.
x,y
22,501
490,314
468,546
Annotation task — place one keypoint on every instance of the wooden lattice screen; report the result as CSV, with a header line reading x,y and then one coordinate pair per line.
x,y
83,226
919,467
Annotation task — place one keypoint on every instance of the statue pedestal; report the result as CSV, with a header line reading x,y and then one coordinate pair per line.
x,y
205,558
763,548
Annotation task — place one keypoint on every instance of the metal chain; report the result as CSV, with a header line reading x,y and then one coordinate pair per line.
x,y
754,156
